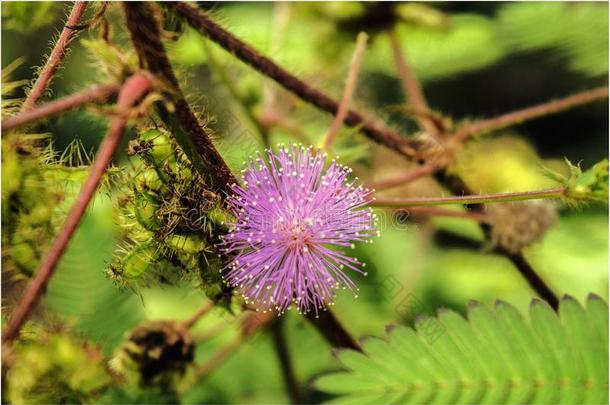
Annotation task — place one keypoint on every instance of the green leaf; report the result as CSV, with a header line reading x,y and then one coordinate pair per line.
x,y
571,29
494,357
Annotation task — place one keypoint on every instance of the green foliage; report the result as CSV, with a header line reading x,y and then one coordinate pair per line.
x,y
494,357
570,29
55,368
27,16
584,186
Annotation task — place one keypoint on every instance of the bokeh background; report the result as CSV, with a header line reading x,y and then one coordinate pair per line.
x,y
474,60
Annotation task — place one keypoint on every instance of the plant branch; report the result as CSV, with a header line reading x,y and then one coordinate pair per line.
x,y
57,55
469,199
532,278
201,22
412,87
535,282
184,125
444,212
239,100
133,90
332,330
281,349
249,326
201,312
515,117
408,177
350,87
97,93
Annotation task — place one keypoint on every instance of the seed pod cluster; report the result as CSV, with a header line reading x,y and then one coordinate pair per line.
x,y
171,218
55,368
30,196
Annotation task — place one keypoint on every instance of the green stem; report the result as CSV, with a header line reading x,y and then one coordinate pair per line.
x,y
469,199
245,109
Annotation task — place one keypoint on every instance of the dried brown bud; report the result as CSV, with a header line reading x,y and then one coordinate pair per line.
x,y
519,224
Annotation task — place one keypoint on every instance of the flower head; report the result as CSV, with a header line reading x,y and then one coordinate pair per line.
x,y
293,220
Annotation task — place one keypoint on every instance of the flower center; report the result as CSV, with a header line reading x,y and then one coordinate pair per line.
x,y
298,235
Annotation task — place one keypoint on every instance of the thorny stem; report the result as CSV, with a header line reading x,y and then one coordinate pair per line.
x,y
245,109
540,110
192,138
269,68
57,55
281,18
350,87
455,183
412,87
283,354
97,93
469,199
201,312
133,90
444,212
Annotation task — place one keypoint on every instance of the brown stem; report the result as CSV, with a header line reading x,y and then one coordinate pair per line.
x,y
332,330
408,177
412,87
185,127
132,91
533,279
283,354
469,199
515,117
535,282
350,87
444,212
201,312
218,358
57,55
249,326
97,93
267,67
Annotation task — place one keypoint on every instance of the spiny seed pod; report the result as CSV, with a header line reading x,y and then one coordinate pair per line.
x,y
518,225
146,206
29,200
55,369
139,260
155,354
186,243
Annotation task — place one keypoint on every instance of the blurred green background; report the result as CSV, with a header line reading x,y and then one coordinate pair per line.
x,y
475,60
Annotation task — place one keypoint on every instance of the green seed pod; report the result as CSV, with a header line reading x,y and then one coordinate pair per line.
x,y
145,209
191,243
139,260
219,216
25,257
148,180
161,148
11,172
55,369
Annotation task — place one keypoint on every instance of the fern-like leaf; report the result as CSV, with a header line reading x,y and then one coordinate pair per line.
x,y
494,357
